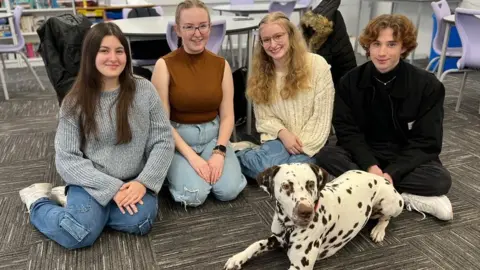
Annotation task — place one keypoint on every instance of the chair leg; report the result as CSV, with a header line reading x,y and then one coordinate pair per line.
x,y
31,68
447,72
4,83
460,94
431,62
3,61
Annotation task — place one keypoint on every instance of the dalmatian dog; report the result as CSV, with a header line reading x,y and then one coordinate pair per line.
x,y
314,219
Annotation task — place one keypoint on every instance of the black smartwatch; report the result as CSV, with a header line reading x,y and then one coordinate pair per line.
x,y
220,148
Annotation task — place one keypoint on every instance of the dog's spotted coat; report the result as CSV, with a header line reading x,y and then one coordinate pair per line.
x,y
342,208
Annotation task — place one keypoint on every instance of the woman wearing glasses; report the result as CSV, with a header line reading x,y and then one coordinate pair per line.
x,y
196,88
292,94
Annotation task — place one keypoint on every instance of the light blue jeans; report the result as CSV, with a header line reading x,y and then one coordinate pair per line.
x,y
270,153
83,219
185,185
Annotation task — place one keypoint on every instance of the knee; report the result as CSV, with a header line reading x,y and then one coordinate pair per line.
x,y
325,155
81,234
190,196
230,192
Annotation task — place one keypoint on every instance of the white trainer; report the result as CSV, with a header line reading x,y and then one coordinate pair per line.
x,y
33,193
437,206
58,195
238,146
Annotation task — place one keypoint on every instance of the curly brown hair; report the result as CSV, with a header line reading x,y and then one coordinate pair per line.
x,y
261,84
403,31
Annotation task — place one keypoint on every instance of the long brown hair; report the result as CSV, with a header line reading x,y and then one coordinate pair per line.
x,y
84,97
261,84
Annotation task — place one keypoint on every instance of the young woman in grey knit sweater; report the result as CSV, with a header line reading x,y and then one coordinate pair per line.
x,y
113,148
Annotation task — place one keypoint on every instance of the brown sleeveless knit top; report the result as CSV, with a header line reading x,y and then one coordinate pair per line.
x,y
195,90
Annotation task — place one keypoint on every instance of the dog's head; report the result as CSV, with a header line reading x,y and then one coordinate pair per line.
x,y
296,188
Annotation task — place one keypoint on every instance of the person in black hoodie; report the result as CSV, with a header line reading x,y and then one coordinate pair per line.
x,y
326,35
388,118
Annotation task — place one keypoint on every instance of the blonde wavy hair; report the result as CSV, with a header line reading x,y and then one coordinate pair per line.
x,y
261,83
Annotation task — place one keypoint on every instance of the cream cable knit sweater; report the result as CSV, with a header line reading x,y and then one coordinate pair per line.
x,y
308,115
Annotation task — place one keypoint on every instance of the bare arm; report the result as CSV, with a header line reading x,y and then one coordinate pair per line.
x,y
161,81
227,118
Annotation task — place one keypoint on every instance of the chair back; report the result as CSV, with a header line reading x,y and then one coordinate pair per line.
x,y
242,2
125,11
286,7
468,23
17,15
217,34
441,10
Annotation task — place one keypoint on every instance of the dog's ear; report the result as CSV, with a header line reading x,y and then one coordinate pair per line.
x,y
265,179
322,175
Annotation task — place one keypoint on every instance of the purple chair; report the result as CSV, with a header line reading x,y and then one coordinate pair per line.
x,y
16,49
286,7
217,34
125,11
441,10
467,22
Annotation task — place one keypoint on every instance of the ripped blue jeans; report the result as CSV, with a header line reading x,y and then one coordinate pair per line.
x,y
81,222
185,185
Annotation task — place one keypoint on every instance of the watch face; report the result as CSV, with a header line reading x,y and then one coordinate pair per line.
x,y
221,148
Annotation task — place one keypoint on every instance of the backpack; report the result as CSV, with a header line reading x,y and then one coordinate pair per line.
x,y
239,98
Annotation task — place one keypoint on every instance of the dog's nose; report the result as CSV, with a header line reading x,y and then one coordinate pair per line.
x,y
304,211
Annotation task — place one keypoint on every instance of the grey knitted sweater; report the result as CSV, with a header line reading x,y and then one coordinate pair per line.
x,y
102,167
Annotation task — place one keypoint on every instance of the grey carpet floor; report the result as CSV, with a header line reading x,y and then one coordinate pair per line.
x,y
205,237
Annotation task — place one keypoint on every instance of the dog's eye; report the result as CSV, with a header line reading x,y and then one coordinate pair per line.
x,y
310,185
286,186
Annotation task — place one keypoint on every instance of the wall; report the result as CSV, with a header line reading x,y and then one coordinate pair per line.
x,y
349,10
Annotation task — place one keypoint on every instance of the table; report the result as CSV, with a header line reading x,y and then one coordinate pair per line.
x,y
153,28
4,15
100,11
245,10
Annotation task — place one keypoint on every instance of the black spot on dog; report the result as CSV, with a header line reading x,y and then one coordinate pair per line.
x,y
262,246
355,225
330,230
400,203
324,240
367,212
347,178
294,234
358,172
329,217
333,239
305,262
349,191
316,244
306,237
303,230
323,254
340,232
324,220
311,226
309,247
339,200
375,181
287,219
395,191
315,218
347,234
273,243
321,194
359,204
373,196
338,245
298,246
370,185
386,181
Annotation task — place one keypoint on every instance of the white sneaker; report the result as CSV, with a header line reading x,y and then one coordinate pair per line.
x,y
437,206
238,146
31,194
58,195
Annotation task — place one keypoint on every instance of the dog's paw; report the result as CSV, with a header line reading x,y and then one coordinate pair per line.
x,y
377,234
235,262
